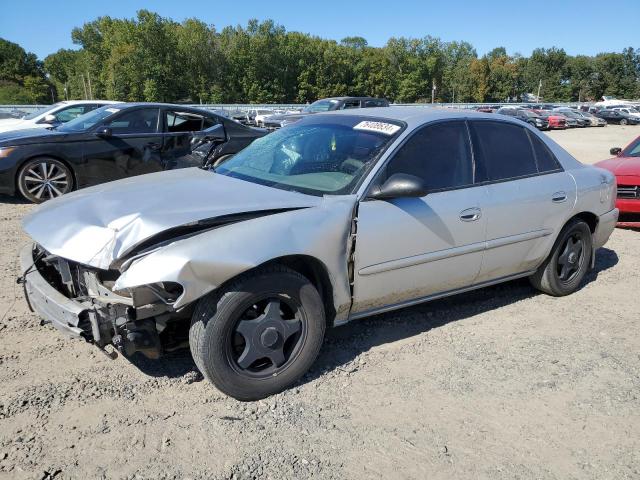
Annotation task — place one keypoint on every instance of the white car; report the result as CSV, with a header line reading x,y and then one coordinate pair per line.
x,y
53,115
261,115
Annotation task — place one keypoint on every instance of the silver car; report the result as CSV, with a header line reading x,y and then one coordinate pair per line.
x,y
337,217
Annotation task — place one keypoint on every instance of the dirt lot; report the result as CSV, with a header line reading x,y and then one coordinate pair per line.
x,y
502,383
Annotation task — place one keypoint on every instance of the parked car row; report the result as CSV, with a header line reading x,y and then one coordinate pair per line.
x,y
273,122
559,118
338,216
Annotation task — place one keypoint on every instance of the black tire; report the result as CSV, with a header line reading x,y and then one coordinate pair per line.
x,y
224,319
563,271
44,178
623,121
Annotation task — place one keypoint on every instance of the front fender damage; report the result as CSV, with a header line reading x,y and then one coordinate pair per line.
x,y
203,262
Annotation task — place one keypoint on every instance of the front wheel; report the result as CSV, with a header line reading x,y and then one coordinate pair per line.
x,y
44,178
568,262
623,121
258,335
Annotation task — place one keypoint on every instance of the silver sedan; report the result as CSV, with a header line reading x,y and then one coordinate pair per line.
x,y
337,217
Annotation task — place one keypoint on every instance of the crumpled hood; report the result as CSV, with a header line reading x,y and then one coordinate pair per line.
x,y
621,166
98,225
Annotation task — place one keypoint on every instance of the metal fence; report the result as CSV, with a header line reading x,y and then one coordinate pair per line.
x,y
18,110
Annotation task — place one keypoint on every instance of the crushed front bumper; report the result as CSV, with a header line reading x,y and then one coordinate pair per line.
x,y
98,316
68,316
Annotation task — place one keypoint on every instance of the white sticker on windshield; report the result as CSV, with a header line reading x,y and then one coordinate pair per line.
x,y
380,127
112,110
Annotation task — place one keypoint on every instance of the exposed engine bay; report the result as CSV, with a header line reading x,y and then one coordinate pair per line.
x,y
138,320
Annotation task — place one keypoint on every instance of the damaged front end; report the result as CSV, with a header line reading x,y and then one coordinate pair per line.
x,y
79,301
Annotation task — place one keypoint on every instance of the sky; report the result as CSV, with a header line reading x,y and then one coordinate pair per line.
x,y
43,27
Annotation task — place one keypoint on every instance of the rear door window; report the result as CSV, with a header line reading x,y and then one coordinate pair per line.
x,y
502,151
351,104
439,154
209,122
183,121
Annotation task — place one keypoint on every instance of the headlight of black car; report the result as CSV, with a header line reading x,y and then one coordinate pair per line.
x,y
6,151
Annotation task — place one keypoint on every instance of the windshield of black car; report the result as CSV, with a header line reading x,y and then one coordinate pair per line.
x,y
321,106
41,111
88,120
328,156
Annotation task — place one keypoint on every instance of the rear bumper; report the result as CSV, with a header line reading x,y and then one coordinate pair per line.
x,y
52,306
606,225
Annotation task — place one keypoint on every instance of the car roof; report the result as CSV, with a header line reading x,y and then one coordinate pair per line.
x,y
351,98
182,108
99,102
413,116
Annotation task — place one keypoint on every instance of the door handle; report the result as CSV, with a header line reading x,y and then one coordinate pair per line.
x,y
470,214
559,197
154,146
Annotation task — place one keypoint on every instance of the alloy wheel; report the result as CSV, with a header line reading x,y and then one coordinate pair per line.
x,y
571,258
46,180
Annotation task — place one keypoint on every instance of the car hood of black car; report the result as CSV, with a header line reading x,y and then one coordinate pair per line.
x,y
99,225
31,135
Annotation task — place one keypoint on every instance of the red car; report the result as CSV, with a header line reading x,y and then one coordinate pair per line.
x,y
626,167
556,121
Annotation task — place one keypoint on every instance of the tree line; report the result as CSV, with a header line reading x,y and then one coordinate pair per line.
x,y
151,58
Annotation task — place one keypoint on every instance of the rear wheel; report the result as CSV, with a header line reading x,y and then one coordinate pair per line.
x,y
44,178
258,335
623,121
564,269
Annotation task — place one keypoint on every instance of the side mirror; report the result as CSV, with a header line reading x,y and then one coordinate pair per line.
x,y
400,185
49,119
615,151
104,132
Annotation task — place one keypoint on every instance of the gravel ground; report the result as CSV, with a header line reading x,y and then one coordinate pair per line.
x,y
501,383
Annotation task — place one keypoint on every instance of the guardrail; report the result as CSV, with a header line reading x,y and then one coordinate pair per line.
x,y
243,107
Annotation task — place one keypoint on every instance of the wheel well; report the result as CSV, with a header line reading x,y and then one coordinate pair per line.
x,y
62,160
589,218
316,272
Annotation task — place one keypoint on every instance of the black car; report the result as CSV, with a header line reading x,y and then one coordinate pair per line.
x,y
109,143
527,116
616,116
324,105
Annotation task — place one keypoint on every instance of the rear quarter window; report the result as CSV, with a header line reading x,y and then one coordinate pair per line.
x,y
545,159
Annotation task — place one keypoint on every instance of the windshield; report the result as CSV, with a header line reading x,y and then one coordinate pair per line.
x,y
41,111
327,156
88,120
321,106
